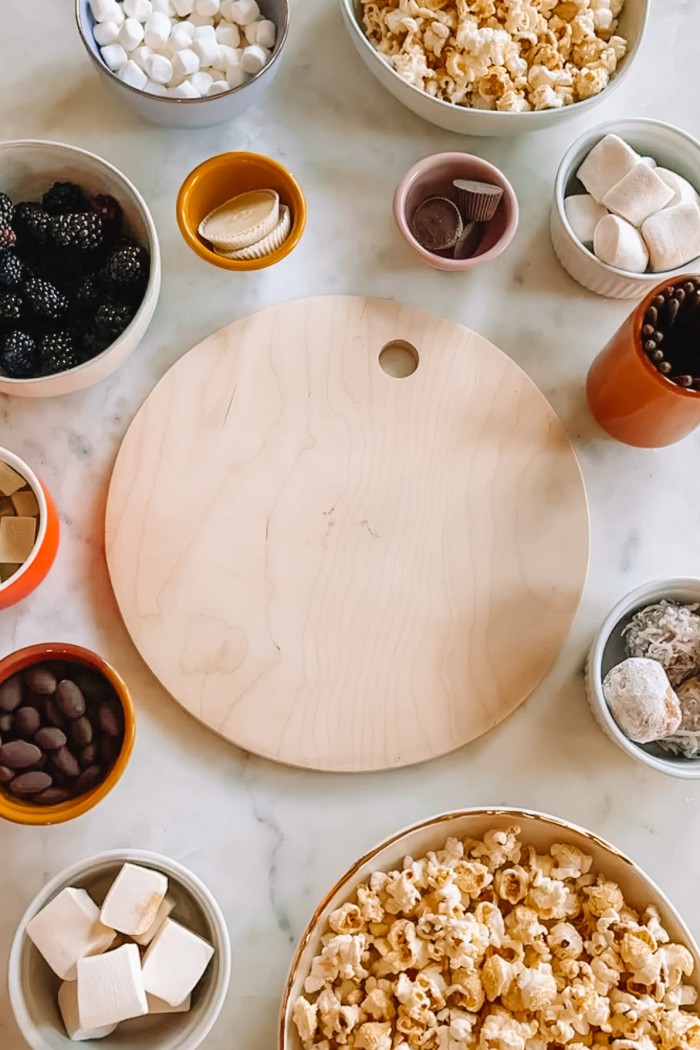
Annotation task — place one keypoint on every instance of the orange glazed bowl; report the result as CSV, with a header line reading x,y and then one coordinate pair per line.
x,y
23,810
220,178
43,553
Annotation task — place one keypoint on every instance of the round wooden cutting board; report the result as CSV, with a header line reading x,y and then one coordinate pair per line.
x,y
338,565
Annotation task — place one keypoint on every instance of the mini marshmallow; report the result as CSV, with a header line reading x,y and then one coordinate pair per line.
x,y
179,38
207,51
250,33
225,10
141,10
163,7
174,962
201,81
227,34
244,11
183,7
620,244
605,165
105,33
235,76
185,62
673,236
68,929
200,20
141,56
159,1006
583,214
638,195
683,192
649,161
133,899
207,7
103,11
217,87
153,88
159,69
254,59
133,75
228,56
204,33
131,34
110,988
267,33
68,1005
183,90
157,30
114,56
167,904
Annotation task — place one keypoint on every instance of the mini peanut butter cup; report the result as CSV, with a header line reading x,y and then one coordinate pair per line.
x,y
478,201
471,238
437,224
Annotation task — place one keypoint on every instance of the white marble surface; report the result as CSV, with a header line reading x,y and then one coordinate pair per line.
x,y
269,840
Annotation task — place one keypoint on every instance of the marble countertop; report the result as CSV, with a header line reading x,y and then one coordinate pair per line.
x,y
268,840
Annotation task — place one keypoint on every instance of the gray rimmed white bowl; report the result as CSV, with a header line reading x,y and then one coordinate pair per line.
x,y
467,121
189,112
672,148
34,987
608,649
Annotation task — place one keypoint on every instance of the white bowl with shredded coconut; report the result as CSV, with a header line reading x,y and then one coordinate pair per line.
x,y
609,649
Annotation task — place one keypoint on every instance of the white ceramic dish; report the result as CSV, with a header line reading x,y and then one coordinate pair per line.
x,y
608,649
27,168
34,987
671,148
537,828
468,121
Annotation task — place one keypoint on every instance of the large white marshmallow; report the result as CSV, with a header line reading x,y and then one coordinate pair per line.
x,y
167,904
157,30
244,11
618,243
683,191
133,75
638,195
139,9
68,1005
110,988
131,34
133,899
673,237
583,214
67,929
174,962
608,161
159,1006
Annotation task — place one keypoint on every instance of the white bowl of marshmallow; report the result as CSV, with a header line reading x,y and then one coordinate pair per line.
x,y
626,212
643,676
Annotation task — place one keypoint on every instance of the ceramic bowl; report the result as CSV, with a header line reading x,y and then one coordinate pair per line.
x,y
27,168
467,121
189,112
433,176
537,829
39,562
671,148
24,811
608,649
34,987
217,180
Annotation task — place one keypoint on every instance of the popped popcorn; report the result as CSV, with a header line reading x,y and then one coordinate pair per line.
x,y
484,54
491,945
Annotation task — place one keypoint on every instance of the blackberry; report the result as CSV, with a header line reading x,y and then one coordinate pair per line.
x,y
7,209
127,269
83,230
44,298
11,306
31,224
8,237
112,318
88,295
64,197
57,353
18,355
11,270
109,209
93,343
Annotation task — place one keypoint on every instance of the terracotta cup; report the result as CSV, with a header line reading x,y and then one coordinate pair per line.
x,y
36,567
629,398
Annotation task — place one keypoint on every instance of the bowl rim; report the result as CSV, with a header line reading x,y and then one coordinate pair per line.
x,y
195,886
100,65
25,471
629,601
446,264
565,170
196,243
351,18
154,278
436,821
15,662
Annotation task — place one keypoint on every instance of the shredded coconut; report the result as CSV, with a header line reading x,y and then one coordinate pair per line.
x,y
668,633
686,740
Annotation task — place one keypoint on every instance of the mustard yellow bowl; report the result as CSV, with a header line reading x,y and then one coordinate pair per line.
x,y
23,810
220,178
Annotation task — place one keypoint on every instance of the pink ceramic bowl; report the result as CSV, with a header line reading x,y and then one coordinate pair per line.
x,y
433,176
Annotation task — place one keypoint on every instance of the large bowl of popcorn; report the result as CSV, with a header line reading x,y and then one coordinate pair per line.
x,y
505,67
495,928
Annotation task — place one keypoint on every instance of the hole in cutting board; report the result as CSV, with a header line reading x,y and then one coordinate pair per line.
x,y
398,358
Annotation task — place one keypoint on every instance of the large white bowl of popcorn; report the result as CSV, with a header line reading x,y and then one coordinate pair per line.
x,y
507,67
518,930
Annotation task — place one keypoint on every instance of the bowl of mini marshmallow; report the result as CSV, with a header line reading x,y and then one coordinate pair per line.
x,y
128,947
185,63
626,211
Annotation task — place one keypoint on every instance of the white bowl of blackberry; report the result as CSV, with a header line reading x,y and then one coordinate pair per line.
x,y
80,268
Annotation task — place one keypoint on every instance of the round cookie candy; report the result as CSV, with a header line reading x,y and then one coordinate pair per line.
x,y
641,700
